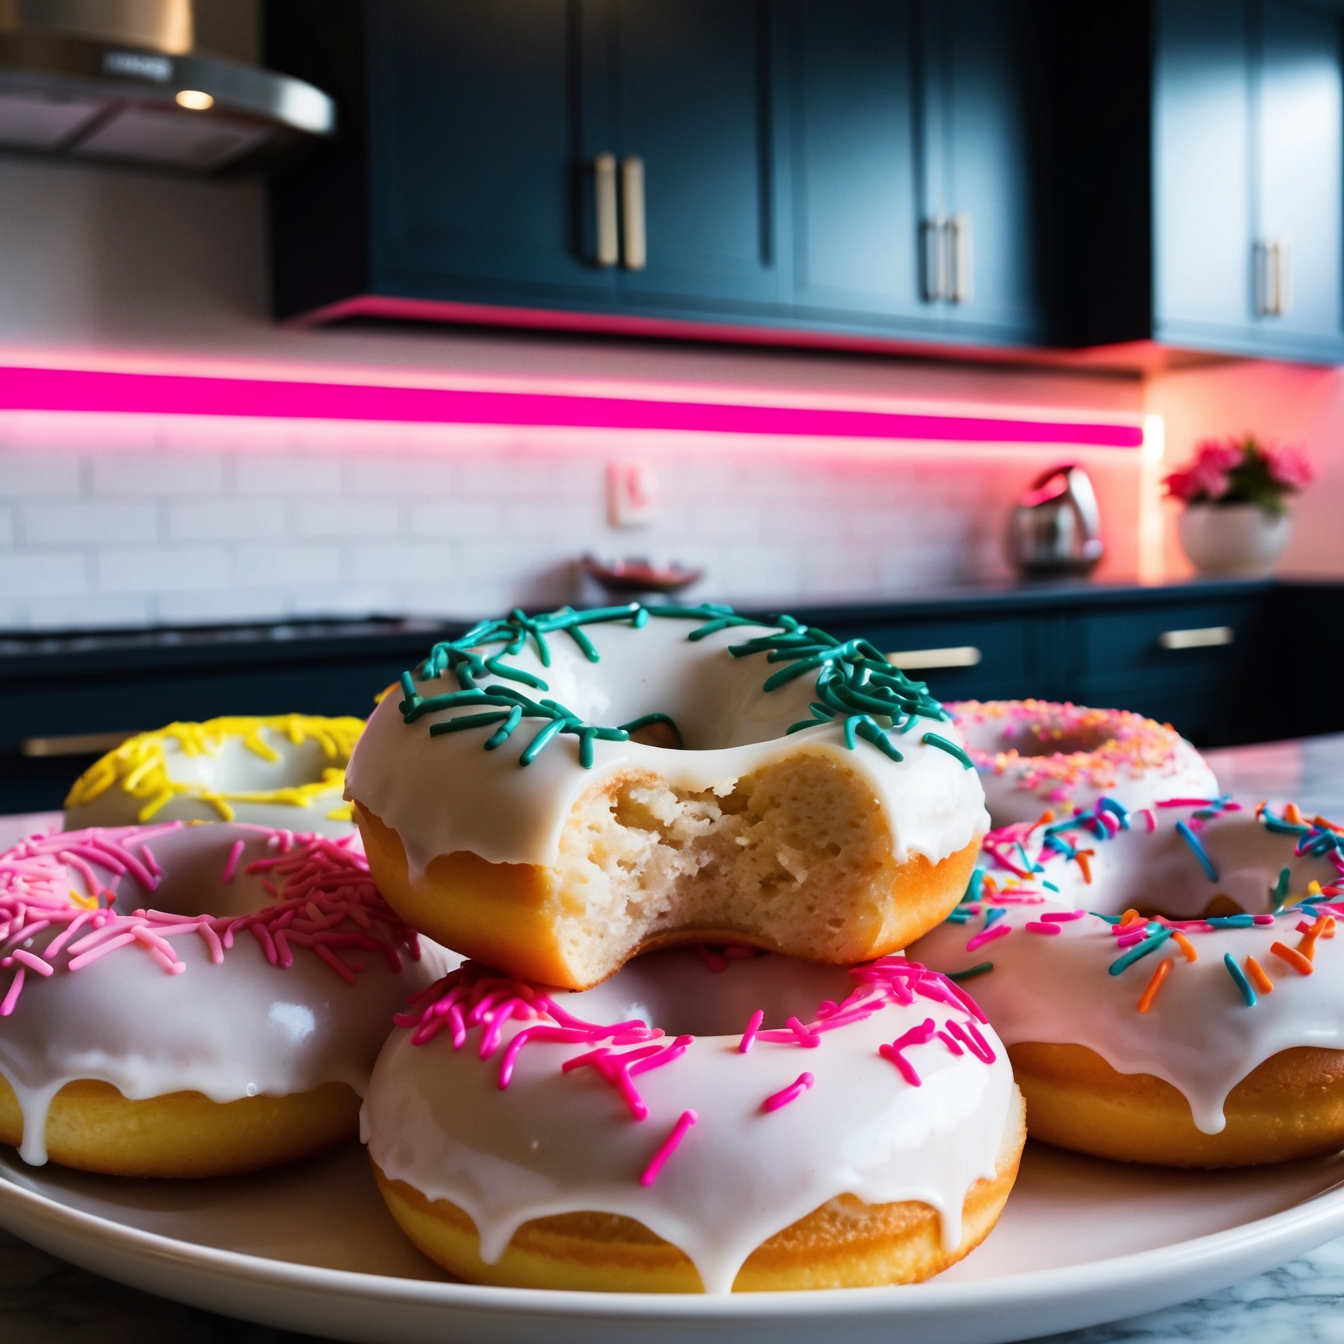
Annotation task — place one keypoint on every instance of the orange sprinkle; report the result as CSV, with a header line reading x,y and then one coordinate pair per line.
x,y
1293,957
1131,916
1260,808
1319,820
1082,855
1292,815
1163,970
1329,930
1308,944
1185,945
989,884
1255,972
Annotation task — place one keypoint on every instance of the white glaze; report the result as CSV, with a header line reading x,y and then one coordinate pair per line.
x,y
1159,870
1198,1034
235,1029
444,794
227,768
554,1143
996,731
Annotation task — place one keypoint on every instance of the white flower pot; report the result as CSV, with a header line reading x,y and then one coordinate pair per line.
x,y
1233,538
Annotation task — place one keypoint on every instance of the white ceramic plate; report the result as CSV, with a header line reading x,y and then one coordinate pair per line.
x,y
312,1248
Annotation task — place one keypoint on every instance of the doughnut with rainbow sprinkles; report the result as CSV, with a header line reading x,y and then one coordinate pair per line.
x,y
1034,754
141,1036
1167,1038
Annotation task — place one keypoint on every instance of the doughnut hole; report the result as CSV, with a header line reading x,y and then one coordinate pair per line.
x,y
795,858
1288,1107
91,1126
843,1244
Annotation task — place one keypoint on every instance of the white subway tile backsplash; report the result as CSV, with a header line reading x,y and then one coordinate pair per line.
x,y
24,473
287,563
221,606
47,522
356,519
39,575
228,519
442,520
162,569
296,475
118,473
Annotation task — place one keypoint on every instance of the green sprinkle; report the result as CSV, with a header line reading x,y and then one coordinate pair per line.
x,y
933,740
532,749
463,721
1155,939
1279,892
1239,978
970,971
972,892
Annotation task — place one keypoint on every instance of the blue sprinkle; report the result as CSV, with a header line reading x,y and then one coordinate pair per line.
x,y
959,917
1239,977
973,886
1110,919
1154,940
1117,810
1192,840
994,912
1230,921
1050,886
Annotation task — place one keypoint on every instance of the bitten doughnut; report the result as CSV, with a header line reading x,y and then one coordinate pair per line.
x,y
1036,754
286,771
788,1125
139,1036
552,795
1203,1042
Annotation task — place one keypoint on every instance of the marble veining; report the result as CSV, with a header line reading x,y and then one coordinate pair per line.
x,y
43,1300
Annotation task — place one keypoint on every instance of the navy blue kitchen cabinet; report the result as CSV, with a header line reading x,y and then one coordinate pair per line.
x,y
776,166
1220,124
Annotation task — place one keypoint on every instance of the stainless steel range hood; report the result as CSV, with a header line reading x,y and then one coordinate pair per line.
x,y
120,80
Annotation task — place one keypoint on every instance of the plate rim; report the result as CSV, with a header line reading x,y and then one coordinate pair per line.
x,y
1308,1223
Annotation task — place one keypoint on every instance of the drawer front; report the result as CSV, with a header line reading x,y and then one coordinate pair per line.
x,y
1001,671
1168,640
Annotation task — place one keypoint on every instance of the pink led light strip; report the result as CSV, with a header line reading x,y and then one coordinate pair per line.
x,y
29,389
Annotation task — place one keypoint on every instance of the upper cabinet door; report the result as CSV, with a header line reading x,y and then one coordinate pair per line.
x,y
981,178
476,144
1300,150
686,91
854,133
1202,168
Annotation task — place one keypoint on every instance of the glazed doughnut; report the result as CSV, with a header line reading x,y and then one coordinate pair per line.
x,y
141,1037
1209,1043
1184,858
1034,754
286,771
524,800
526,1137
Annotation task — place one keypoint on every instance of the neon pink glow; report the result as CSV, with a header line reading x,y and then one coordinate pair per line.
x,y
82,390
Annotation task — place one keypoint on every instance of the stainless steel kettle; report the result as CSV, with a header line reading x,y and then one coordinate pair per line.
x,y
1056,528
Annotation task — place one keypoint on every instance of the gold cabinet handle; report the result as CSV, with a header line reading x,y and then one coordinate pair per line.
x,y
604,192
1206,637
632,213
924,660
75,744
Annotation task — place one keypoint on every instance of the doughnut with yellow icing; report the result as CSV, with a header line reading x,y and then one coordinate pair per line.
x,y
286,771
553,795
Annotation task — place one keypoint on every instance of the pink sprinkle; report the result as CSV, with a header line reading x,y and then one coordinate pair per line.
x,y
11,998
1062,916
950,1043
753,1026
712,959
1147,814
1185,802
32,962
787,1094
1040,926
807,1038
899,1060
102,949
231,863
988,936
1264,919
969,1034
669,1146
920,1035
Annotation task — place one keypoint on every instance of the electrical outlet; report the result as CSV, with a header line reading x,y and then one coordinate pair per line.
x,y
632,489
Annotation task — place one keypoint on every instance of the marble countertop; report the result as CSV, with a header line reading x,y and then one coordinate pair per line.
x,y
43,1300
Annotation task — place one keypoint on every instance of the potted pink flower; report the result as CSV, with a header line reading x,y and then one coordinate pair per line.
x,y
1235,493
